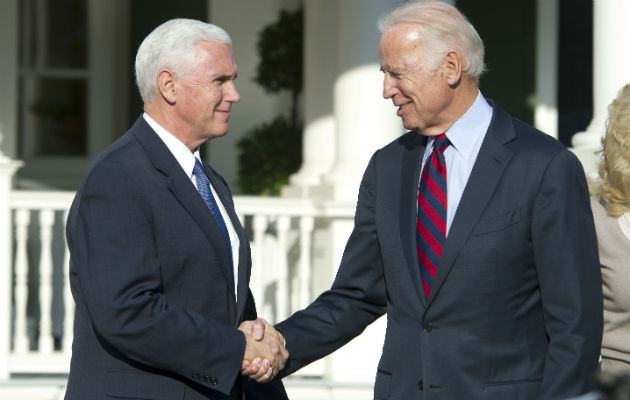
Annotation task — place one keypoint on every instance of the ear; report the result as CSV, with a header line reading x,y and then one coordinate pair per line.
x,y
453,65
166,85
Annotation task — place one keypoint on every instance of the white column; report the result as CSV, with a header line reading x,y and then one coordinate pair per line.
x,y
283,225
8,168
611,70
307,223
258,256
9,28
364,121
318,141
20,291
546,112
46,222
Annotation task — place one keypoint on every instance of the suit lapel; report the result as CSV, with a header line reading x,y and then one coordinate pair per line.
x,y
193,203
491,161
243,252
415,145
183,189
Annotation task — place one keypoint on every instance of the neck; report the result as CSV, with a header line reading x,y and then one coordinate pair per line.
x,y
463,97
163,117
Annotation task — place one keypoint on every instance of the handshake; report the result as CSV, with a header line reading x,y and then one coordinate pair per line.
x,y
265,354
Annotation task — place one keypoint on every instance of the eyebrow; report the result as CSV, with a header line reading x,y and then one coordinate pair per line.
x,y
226,77
392,71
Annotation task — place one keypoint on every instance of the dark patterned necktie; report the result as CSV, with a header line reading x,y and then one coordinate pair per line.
x,y
203,186
431,222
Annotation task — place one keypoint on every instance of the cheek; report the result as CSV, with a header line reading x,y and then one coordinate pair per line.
x,y
205,105
192,101
413,92
214,98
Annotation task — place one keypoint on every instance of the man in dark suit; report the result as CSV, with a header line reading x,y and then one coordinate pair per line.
x,y
478,244
160,264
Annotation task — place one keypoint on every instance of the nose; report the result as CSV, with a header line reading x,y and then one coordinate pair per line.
x,y
388,87
231,94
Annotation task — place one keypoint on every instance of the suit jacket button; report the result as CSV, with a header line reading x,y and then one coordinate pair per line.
x,y
428,327
213,381
420,385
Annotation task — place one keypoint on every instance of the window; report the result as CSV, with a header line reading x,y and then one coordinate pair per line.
x,y
53,78
73,76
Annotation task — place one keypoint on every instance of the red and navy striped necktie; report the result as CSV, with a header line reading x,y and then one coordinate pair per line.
x,y
431,223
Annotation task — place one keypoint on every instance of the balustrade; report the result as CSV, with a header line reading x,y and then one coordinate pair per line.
x,y
281,284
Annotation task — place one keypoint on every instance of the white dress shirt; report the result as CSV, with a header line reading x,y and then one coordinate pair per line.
x,y
466,136
186,159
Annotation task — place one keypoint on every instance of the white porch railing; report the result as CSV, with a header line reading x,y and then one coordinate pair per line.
x,y
32,347
39,325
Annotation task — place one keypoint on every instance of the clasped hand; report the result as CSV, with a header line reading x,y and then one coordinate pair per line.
x,y
265,354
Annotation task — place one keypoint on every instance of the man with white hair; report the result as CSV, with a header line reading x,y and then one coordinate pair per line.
x,y
473,233
159,264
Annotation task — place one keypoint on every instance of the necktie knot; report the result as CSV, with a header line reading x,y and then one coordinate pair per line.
x,y
198,168
440,143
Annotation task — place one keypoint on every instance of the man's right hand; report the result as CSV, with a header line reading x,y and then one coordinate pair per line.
x,y
265,354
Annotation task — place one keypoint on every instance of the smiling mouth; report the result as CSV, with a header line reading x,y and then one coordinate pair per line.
x,y
401,108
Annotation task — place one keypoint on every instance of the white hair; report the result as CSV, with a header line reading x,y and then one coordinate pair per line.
x,y
441,28
172,45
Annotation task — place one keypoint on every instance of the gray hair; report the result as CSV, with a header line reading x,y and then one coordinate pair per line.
x,y
172,45
441,28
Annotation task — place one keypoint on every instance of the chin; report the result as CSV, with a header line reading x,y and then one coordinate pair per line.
x,y
218,132
409,126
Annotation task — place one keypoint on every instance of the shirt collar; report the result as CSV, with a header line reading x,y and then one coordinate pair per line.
x,y
180,151
470,127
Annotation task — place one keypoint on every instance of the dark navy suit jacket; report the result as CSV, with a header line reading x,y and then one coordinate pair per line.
x,y
152,279
515,311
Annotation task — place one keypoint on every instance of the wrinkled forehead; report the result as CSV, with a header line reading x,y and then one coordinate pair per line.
x,y
215,53
400,42
213,50
212,61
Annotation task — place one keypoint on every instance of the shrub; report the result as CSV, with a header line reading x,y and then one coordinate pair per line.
x,y
268,154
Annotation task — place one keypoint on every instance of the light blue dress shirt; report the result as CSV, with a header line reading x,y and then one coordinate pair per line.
x,y
466,136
